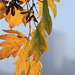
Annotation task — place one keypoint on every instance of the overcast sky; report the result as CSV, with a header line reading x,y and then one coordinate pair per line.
x,y
65,22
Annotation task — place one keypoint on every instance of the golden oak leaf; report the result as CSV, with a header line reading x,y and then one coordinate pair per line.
x,y
23,61
11,44
15,20
39,42
2,9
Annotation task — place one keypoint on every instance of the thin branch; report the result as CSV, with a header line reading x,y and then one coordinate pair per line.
x,y
29,30
24,5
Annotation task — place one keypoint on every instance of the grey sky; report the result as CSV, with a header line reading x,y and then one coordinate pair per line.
x,y
65,22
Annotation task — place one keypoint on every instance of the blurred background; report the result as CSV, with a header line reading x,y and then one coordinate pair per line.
x,y
60,60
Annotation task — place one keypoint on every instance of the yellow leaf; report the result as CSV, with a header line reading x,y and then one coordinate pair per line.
x,y
24,20
23,61
51,4
57,0
15,32
15,20
2,9
40,8
1,15
11,44
35,68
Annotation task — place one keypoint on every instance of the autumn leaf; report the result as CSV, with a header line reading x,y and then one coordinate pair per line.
x,y
40,3
23,61
12,47
46,18
15,20
44,12
11,44
35,68
39,42
57,0
2,9
24,20
15,32
1,15
19,45
50,3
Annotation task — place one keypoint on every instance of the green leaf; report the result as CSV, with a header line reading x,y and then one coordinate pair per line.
x,y
39,42
47,22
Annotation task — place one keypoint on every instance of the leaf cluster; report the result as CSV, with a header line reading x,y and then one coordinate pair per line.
x,y
19,45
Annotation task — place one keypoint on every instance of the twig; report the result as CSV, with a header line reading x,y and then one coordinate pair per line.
x,y
24,5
